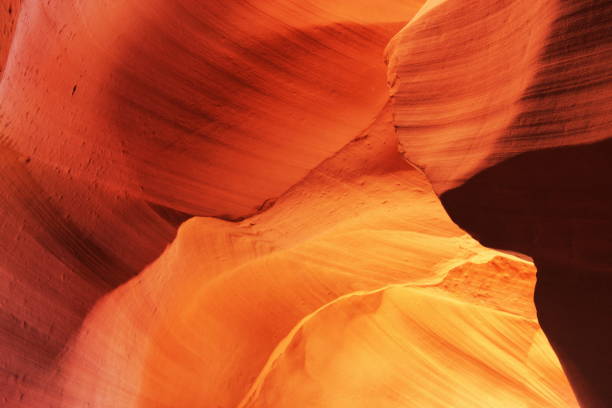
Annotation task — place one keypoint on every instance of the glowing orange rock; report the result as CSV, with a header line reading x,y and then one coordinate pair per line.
x,y
215,319
112,135
506,107
319,268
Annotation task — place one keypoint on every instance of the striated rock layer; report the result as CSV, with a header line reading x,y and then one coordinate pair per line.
x,y
203,204
506,108
353,289
119,120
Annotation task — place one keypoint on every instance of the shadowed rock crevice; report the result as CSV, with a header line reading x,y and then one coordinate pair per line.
x,y
574,309
555,205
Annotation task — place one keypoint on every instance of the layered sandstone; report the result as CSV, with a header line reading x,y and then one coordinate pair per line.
x,y
505,106
203,203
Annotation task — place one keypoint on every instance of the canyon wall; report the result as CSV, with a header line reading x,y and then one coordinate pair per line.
x,y
203,203
505,106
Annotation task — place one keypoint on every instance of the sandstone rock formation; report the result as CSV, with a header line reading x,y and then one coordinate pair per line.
x,y
511,126
203,203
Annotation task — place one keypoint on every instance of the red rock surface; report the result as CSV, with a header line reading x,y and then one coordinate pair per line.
x,y
203,203
512,128
214,318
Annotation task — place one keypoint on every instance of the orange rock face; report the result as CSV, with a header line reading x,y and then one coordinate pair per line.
x,y
203,203
512,128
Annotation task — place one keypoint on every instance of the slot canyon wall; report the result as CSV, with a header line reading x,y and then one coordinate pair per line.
x,y
513,130
305,203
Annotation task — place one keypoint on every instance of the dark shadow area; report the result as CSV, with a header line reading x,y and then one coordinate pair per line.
x,y
555,205
575,312
172,216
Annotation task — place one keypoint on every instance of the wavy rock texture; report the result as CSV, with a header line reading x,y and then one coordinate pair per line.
x,y
119,120
203,204
156,96
511,125
208,323
384,349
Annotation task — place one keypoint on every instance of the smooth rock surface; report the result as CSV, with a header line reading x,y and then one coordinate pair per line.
x,y
505,106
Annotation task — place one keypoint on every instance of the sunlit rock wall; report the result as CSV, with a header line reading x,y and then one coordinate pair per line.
x,y
203,203
505,106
